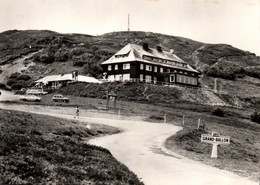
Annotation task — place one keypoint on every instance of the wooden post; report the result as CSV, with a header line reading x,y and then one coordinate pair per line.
x,y
198,123
164,118
214,152
215,85
114,102
183,117
108,99
118,116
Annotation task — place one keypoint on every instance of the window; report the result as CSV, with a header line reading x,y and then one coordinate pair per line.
x,y
161,70
123,55
126,76
141,66
147,58
155,80
118,77
168,70
110,78
116,67
155,69
172,78
148,67
109,68
126,66
141,77
148,78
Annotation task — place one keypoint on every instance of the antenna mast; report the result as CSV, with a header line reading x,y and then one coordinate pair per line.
x,y
128,29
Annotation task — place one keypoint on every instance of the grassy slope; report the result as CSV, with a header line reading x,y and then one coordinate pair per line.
x,y
68,49
43,149
241,156
243,150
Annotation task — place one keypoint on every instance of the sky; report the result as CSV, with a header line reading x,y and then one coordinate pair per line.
x,y
234,22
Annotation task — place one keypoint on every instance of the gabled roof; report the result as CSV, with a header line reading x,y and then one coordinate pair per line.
x,y
66,77
134,52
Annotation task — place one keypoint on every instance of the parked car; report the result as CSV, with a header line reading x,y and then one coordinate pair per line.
x,y
36,92
60,97
30,98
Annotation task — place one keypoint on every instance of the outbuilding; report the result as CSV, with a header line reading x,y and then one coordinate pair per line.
x,y
61,80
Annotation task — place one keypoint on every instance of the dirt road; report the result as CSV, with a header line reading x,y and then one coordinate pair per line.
x,y
140,148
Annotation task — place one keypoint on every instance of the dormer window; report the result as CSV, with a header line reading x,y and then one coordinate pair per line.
x,y
122,55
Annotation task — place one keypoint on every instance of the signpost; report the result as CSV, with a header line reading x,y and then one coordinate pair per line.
x,y
215,139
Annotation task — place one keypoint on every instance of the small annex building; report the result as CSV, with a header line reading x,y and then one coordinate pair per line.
x,y
61,80
143,64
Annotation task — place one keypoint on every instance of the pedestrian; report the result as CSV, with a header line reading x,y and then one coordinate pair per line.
x,y
77,112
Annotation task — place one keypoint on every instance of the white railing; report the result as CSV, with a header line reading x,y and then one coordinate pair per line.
x,y
137,80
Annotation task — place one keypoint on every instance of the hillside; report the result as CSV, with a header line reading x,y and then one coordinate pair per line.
x,y
36,53
38,149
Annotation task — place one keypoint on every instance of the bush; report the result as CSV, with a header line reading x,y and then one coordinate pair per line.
x,y
77,52
16,86
225,70
11,81
61,55
79,63
15,75
44,58
24,77
17,80
2,86
255,117
253,71
218,112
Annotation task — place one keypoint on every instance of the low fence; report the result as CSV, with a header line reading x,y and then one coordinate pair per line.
x,y
137,80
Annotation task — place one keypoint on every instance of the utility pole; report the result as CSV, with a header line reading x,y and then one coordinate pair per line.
x,y
128,29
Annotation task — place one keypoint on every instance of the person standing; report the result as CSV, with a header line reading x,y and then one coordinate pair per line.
x,y
77,113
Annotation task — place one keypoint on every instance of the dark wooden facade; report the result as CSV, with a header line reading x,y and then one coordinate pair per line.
x,y
150,73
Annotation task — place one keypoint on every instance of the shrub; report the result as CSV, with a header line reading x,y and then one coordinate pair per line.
x,y
24,77
15,75
255,117
77,52
79,63
11,81
218,112
16,86
2,86
253,71
61,55
225,70
44,58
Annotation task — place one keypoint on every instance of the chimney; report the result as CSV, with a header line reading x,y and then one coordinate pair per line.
x,y
172,51
145,46
159,48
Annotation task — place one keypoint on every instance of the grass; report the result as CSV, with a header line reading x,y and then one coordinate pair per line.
x,y
241,156
42,149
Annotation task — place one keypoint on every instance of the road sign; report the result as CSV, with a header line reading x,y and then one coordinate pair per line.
x,y
209,138
215,139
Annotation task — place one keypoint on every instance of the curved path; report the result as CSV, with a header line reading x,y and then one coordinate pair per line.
x,y
140,148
